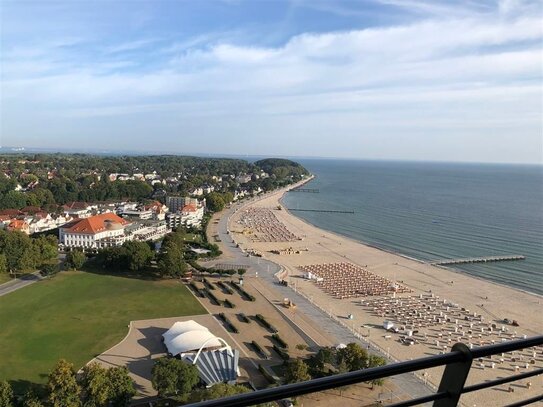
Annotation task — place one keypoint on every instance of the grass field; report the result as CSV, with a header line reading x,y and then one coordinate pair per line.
x,y
76,316
4,278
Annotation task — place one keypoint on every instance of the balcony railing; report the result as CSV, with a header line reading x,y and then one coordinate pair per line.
x,y
457,366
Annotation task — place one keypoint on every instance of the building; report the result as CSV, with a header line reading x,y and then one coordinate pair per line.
x,y
189,216
104,230
19,225
78,209
215,360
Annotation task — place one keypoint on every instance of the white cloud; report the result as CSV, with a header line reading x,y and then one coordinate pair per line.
x,y
483,66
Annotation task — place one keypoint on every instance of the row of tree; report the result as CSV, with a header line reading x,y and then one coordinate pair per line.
x,y
329,360
21,253
96,386
61,178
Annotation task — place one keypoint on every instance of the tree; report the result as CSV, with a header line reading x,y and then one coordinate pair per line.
x,y
6,394
241,272
139,254
354,356
296,371
376,361
215,202
95,385
173,376
49,269
75,259
62,385
31,399
121,385
217,391
3,264
171,261
103,387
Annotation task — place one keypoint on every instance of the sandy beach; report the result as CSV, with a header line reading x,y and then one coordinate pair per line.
x,y
450,306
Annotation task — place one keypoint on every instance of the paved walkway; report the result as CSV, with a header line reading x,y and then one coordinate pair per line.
x,y
266,270
20,282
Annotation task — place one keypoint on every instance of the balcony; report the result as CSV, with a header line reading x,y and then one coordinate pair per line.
x,y
457,365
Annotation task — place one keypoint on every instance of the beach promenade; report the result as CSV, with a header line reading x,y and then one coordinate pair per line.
x,y
484,304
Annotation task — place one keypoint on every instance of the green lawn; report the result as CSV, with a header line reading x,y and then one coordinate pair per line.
x,y
76,316
4,278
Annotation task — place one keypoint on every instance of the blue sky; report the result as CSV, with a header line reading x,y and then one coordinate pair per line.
x,y
377,79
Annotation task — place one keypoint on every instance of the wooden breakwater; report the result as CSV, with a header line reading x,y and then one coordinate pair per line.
x,y
319,210
477,260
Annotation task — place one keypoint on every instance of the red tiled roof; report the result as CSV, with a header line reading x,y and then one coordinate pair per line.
x,y
94,224
31,209
11,212
75,205
189,208
17,224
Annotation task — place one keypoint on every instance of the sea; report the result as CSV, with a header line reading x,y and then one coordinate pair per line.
x,y
435,211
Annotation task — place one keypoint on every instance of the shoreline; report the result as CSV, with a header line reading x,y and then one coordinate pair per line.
x,y
315,246
396,253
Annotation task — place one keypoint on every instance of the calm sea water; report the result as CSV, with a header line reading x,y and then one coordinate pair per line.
x,y
433,211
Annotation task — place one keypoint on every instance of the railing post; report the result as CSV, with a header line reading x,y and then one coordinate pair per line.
x,y
454,377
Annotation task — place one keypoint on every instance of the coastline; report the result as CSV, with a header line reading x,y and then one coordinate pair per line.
x,y
396,253
320,246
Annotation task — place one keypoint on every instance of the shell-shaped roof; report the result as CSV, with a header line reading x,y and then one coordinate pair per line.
x,y
191,341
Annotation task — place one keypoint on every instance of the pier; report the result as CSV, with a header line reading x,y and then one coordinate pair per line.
x,y
319,210
310,190
477,260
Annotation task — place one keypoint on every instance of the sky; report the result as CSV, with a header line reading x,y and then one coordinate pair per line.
x,y
371,79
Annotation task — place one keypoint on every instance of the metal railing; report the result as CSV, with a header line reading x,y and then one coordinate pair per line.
x,y
457,366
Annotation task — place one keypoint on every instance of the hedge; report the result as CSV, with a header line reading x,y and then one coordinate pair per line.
x,y
228,323
244,294
260,318
229,304
266,374
284,355
224,287
259,350
208,285
212,297
244,318
280,341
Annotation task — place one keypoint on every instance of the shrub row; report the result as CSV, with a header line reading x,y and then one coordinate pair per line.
x,y
266,374
208,285
244,294
259,350
228,323
211,296
284,355
195,289
280,341
260,318
244,318
224,287
229,304
209,270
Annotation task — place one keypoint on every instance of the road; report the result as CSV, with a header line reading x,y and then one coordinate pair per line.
x,y
20,282
266,270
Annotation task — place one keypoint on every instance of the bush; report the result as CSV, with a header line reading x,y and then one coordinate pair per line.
x,y
208,285
214,300
280,341
244,318
224,287
229,304
258,349
260,318
228,323
284,355
265,373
